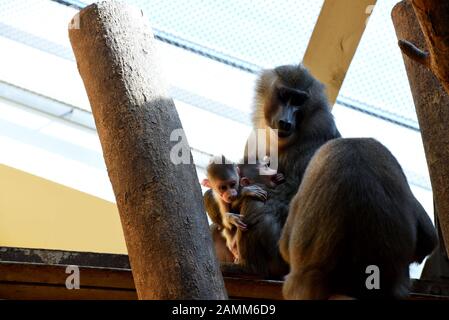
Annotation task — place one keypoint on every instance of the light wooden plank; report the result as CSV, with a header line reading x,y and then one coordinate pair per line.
x,y
334,41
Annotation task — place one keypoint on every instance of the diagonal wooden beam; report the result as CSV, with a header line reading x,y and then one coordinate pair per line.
x,y
335,39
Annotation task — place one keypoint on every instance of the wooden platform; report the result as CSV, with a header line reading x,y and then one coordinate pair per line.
x,y
40,274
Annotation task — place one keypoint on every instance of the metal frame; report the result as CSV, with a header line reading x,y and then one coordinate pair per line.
x,y
215,55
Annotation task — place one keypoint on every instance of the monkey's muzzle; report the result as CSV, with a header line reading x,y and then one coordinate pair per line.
x,y
284,134
285,128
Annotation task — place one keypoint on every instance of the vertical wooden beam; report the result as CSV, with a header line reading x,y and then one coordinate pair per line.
x,y
159,202
432,109
335,39
433,17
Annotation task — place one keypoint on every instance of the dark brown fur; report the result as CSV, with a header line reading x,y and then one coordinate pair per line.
x,y
354,209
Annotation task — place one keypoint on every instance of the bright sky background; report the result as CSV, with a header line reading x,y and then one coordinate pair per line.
x,y
43,102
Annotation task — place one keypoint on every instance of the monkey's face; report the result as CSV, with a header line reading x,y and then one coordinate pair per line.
x,y
227,189
284,109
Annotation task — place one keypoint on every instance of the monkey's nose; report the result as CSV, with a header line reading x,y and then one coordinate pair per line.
x,y
284,125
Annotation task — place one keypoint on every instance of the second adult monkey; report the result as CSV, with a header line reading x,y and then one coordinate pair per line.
x,y
354,211
290,100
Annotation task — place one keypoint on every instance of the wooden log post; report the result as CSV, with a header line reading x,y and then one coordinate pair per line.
x,y
432,108
160,203
433,17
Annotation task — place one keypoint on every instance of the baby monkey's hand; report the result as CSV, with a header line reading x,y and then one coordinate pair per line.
x,y
278,178
254,191
236,220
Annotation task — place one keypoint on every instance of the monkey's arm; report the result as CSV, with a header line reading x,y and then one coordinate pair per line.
x,y
278,178
231,220
254,191
219,214
258,246
212,208
221,250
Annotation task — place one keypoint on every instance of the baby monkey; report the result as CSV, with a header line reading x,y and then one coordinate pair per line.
x,y
231,186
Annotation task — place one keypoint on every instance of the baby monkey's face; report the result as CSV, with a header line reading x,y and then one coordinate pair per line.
x,y
227,189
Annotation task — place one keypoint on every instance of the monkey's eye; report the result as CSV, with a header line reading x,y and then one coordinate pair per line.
x,y
222,188
297,97
282,94
232,185
296,102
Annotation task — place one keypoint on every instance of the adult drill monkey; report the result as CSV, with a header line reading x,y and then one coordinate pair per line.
x,y
290,100
354,209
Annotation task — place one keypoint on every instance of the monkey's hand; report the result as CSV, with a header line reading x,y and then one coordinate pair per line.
x,y
236,220
278,178
254,192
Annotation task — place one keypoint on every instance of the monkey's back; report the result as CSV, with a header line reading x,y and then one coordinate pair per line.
x,y
354,209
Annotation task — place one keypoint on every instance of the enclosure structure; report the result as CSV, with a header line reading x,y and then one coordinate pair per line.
x,y
411,20
131,92
159,201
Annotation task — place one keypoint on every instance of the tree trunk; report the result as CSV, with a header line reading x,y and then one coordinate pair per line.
x,y
432,108
160,203
433,16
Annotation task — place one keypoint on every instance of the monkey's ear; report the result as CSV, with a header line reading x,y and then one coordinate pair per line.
x,y
244,182
206,183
